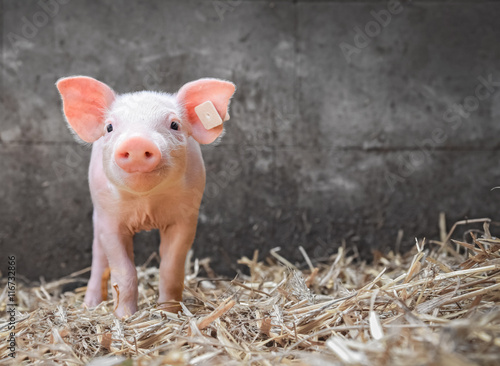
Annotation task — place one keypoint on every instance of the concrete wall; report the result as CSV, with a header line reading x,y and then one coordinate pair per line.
x,y
335,135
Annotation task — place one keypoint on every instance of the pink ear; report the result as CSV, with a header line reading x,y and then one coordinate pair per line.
x,y
197,92
85,102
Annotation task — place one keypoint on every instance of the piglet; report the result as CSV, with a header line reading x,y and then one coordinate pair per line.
x,y
146,172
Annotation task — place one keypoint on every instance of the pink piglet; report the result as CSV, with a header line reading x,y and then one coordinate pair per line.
x,y
146,172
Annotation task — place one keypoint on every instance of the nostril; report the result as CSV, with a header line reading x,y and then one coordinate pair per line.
x,y
137,154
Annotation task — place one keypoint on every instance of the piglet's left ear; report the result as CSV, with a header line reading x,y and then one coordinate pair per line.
x,y
198,93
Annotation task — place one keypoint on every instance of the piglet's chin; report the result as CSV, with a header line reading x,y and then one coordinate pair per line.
x,y
141,182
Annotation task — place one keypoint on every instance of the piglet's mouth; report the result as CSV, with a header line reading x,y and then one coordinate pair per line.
x,y
142,182
159,170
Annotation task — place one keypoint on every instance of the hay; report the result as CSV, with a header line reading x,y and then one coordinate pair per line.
x,y
437,305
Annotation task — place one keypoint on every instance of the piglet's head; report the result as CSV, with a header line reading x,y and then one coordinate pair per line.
x,y
144,136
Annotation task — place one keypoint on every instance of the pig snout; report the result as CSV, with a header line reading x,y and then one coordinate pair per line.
x,y
137,155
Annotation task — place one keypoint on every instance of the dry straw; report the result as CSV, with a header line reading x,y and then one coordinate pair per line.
x,y
437,305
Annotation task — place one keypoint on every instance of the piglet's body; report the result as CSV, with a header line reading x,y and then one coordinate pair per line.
x,y
146,172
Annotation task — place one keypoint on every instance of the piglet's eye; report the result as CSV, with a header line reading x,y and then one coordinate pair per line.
x,y
174,126
109,127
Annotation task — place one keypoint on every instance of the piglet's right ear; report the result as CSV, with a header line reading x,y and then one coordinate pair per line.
x,y
85,103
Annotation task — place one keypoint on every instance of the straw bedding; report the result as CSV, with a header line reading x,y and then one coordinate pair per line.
x,y
436,305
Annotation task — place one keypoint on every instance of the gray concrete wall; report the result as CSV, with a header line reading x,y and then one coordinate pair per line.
x,y
334,135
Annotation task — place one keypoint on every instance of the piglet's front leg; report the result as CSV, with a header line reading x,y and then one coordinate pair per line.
x,y
176,241
118,249
93,295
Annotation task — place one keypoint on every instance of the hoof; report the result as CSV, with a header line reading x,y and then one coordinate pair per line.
x,y
171,306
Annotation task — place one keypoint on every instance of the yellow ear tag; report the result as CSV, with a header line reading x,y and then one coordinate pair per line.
x,y
208,115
